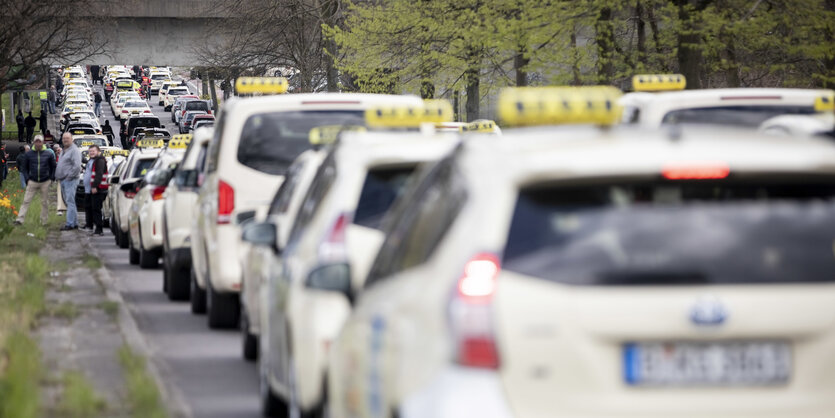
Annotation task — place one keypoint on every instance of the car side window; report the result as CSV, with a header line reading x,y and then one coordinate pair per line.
x,y
325,177
214,146
420,222
282,197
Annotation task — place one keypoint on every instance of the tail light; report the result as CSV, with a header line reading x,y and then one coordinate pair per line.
x,y
147,111
124,111
225,202
157,193
471,313
130,194
332,247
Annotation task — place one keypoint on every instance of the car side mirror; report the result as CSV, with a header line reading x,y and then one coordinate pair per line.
x,y
114,179
244,217
259,233
332,278
128,187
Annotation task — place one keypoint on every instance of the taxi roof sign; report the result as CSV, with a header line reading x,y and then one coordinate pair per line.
x,y
529,106
179,141
112,152
263,85
409,116
323,135
150,143
481,125
658,82
825,102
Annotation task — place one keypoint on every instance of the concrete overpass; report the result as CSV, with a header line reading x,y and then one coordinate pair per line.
x,y
154,32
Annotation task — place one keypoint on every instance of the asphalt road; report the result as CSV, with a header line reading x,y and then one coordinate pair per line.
x,y
203,367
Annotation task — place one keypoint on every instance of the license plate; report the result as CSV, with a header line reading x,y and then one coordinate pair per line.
x,y
761,363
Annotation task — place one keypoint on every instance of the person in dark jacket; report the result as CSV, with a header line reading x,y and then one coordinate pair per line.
x,y
30,123
39,166
98,187
21,154
21,126
42,121
97,100
107,131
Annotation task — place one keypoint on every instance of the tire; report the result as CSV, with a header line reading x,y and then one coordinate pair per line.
x,y
223,310
178,281
197,297
271,405
165,275
148,259
123,238
250,341
133,253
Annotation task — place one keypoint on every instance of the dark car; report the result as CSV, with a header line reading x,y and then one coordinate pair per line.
x,y
146,133
194,105
134,122
198,118
185,122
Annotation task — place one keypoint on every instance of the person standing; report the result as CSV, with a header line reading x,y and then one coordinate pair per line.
x,y
21,154
21,126
44,96
88,200
39,166
107,131
30,123
67,172
98,187
51,99
42,122
97,109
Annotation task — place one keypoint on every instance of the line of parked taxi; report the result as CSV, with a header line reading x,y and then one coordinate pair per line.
x,y
654,254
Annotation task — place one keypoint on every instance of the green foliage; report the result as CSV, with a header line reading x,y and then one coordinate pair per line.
x,y
19,390
143,395
79,399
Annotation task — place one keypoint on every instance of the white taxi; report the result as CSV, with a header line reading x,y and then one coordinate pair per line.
x,y
660,100
591,272
157,78
172,94
145,216
139,161
338,224
178,208
261,246
115,157
163,90
133,106
255,142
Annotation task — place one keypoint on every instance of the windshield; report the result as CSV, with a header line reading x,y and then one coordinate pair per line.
x,y
86,142
682,233
142,166
82,131
135,104
177,92
751,116
159,77
271,141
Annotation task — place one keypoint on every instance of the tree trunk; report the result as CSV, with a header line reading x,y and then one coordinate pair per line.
x,y
575,66
519,64
213,93
473,92
203,83
605,46
640,27
330,68
689,53
456,104
732,68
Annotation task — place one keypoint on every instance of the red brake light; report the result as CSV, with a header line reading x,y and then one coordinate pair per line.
x,y
124,111
471,313
697,171
225,202
157,193
130,194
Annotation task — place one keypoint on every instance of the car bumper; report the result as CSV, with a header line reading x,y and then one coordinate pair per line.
x,y
459,392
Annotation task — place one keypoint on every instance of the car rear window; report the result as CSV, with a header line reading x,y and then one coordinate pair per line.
x,y
751,116
197,105
381,188
142,167
177,92
271,141
676,233
135,104
159,77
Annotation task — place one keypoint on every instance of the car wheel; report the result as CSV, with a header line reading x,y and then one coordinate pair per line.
x,y
250,341
133,253
123,241
198,296
271,405
222,309
179,283
165,274
147,259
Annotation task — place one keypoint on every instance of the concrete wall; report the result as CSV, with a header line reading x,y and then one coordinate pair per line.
x,y
157,8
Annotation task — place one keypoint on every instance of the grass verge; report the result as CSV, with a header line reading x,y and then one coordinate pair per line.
x,y
143,395
79,399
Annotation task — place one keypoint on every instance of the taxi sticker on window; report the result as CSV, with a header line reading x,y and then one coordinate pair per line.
x,y
144,171
79,132
322,135
87,143
150,143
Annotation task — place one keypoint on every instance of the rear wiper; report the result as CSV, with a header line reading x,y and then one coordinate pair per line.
x,y
654,277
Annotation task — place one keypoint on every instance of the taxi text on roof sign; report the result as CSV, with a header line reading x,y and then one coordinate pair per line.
x,y
150,143
322,135
409,116
658,82
264,85
479,126
113,152
179,141
529,106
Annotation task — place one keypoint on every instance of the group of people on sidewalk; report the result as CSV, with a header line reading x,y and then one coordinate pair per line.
x,y
26,126
38,169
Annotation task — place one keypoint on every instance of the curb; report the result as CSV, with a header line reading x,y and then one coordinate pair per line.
x,y
172,397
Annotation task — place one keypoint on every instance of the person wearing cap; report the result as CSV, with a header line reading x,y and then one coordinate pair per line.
x,y
67,172
39,166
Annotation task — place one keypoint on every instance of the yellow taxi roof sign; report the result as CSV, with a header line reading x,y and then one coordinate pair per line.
x,y
150,143
409,116
111,152
825,102
529,106
179,141
658,82
263,85
323,135
481,125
